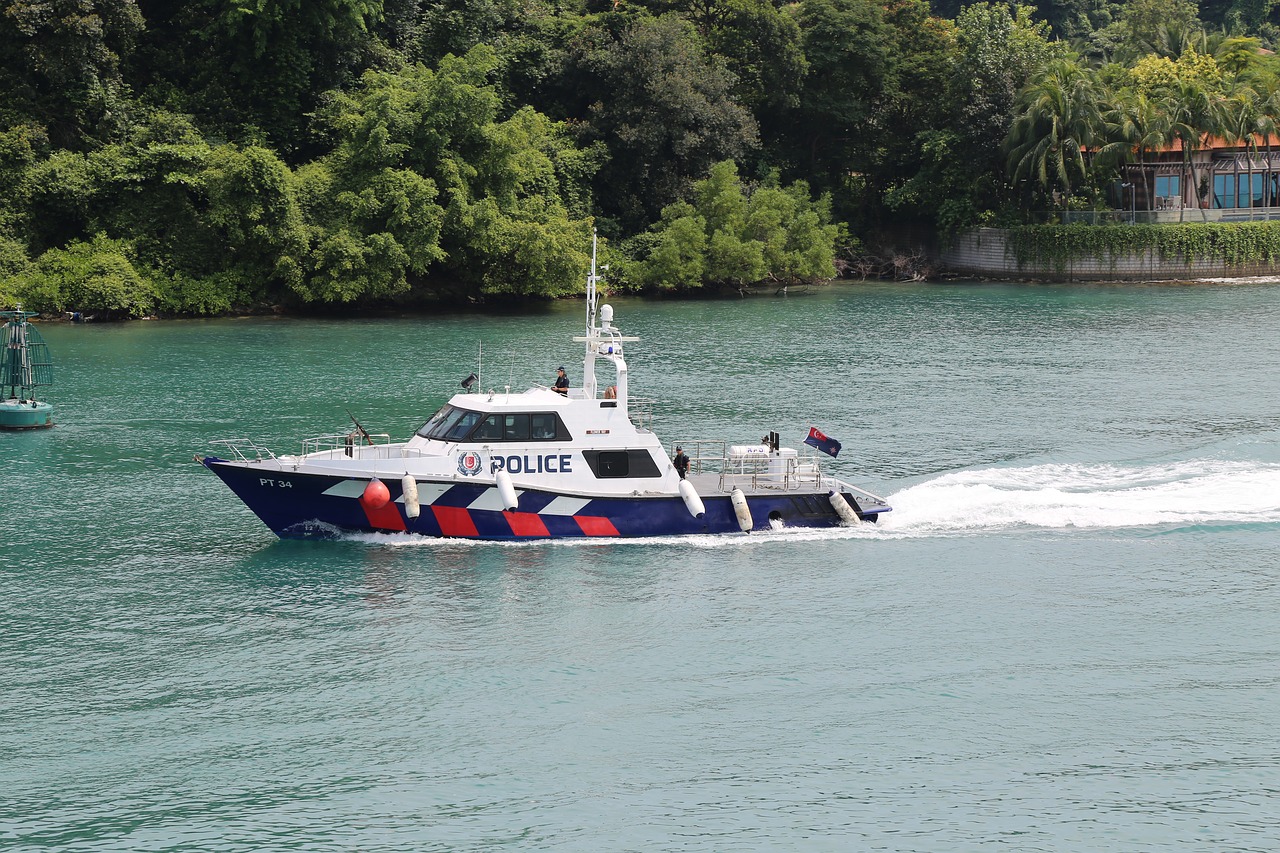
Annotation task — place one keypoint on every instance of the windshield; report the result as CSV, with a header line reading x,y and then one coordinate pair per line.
x,y
425,429
449,424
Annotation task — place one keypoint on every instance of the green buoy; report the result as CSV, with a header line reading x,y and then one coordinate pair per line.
x,y
24,366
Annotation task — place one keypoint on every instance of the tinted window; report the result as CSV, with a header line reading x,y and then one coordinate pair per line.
x,y
453,424
621,463
613,463
517,428
542,427
490,429
436,420
441,429
459,430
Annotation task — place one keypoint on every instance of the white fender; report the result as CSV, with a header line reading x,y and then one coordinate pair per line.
x,y
741,510
842,508
691,500
505,490
409,487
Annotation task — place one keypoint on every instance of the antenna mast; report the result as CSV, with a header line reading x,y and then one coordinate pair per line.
x,y
592,279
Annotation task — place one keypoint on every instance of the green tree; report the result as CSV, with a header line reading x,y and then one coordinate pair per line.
x,y
60,66
253,69
1160,26
427,188
249,204
848,46
1134,127
1195,111
735,235
96,277
960,176
677,257
1058,121
14,265
665,110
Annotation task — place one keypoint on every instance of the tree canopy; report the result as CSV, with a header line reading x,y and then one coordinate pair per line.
x,y
222,155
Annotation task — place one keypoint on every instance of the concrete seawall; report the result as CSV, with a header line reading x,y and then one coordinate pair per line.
x,y
985,253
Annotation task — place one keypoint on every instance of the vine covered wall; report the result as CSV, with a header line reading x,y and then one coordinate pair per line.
x,y
1233,243
1118,252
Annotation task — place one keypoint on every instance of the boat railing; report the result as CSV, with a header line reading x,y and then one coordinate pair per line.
x,y
758,469
640,412
782,474
243,450
353,445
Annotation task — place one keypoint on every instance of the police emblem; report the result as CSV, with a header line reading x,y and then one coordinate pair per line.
x,y
469,463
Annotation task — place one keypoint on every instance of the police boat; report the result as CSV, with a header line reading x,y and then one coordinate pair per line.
x,y
539,464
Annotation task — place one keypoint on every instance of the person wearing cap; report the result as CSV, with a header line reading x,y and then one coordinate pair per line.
x,y
681,462
562,383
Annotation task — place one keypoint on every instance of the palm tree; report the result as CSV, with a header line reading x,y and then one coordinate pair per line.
x,y
1195,113
1057,120
1262,125
1243,121
1133,126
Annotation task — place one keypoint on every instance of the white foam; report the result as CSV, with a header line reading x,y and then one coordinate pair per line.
x,y
1090,496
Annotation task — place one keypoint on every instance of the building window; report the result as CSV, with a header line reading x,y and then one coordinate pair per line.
x,y
1168,190
1224,191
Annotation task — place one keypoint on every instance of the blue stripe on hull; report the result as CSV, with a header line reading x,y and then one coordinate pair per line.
x,y
294,505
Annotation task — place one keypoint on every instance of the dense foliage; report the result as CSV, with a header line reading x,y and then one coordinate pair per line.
x,y
1236,243
216,155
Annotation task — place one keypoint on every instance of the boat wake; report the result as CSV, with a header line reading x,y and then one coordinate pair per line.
x,y
1196,493
1059,496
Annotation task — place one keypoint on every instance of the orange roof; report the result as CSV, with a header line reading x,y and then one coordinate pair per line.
x,y
1214,142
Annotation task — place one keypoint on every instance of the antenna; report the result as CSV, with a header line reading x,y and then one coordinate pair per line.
x,y
591,289
480,366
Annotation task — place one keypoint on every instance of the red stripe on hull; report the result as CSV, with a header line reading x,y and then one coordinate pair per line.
x,y
596,525
526,524
385,517
455,521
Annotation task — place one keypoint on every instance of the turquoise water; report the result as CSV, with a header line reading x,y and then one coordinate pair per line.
x,y
1064,638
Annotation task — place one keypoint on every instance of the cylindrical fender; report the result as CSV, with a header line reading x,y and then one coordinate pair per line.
x,y
376,495
409,487
506,490
691,500
842,508
741,510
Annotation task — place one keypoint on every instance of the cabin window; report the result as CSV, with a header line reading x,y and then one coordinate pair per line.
x,y
490,429
516,428
464,425
543,427
621,463
612,463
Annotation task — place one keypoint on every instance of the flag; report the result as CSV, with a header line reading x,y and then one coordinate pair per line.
x,y
829,446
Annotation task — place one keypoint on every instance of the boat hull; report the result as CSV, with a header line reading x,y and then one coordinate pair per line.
x,y
298,505
25,414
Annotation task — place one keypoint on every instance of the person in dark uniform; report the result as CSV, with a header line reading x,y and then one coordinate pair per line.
x,y
681,462
562,383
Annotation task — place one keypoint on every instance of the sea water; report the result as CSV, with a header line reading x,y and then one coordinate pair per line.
x,y
1065,637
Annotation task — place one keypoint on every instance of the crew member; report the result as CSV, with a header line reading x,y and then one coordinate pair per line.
x,y
562,383
681,462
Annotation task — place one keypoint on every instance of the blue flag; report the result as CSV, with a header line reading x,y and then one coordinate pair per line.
x,y
829,446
